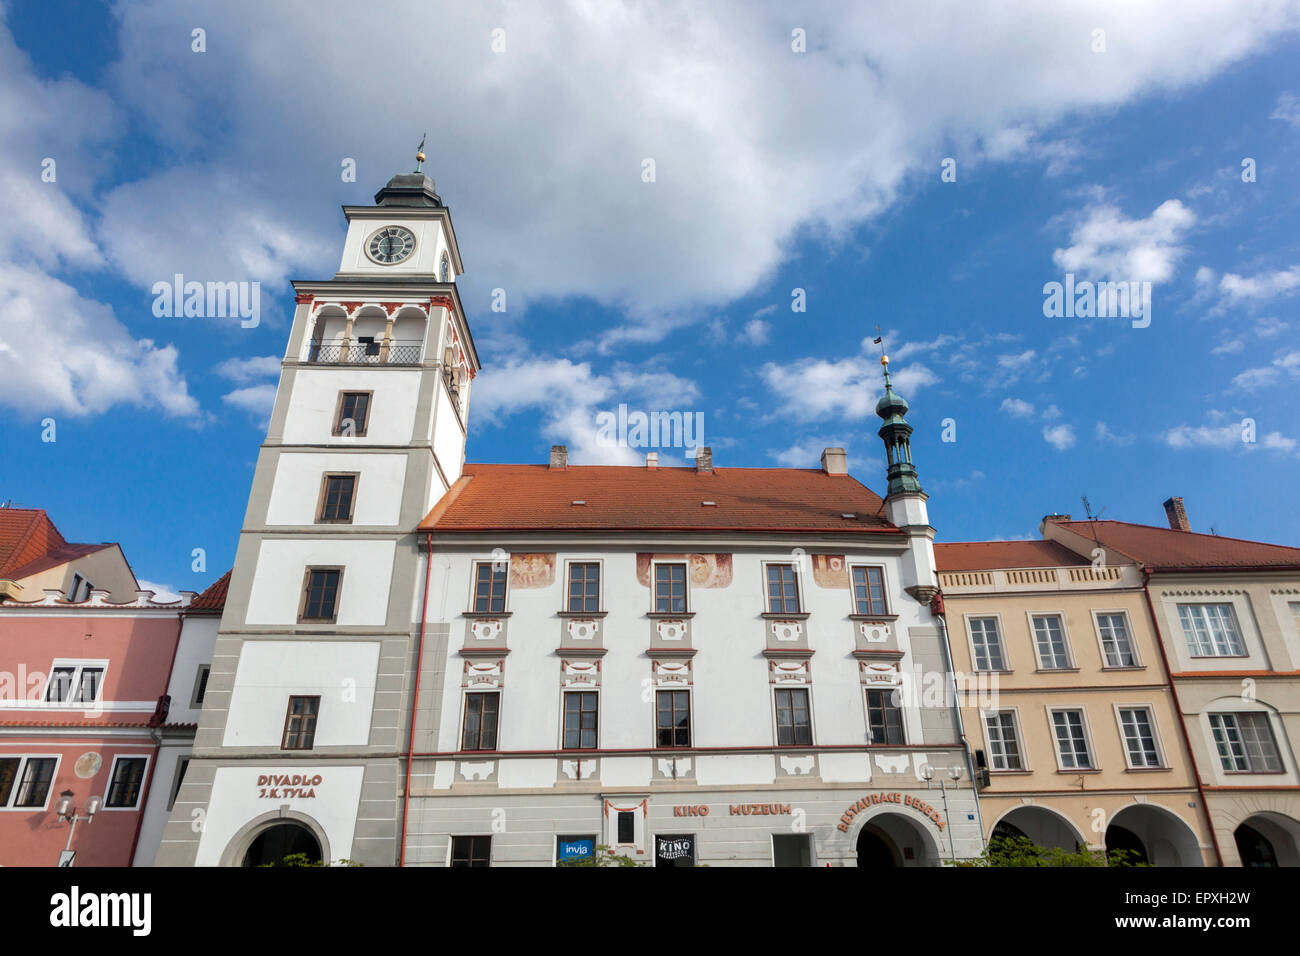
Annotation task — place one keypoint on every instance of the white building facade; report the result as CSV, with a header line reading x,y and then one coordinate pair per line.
x,y
422,662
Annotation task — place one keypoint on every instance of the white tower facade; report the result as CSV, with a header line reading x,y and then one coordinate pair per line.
x,y
300,745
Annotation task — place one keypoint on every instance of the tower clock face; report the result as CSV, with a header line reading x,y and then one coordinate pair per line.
x,y
391,245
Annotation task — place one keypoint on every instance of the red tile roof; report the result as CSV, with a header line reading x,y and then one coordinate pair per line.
x,y
55,558
988,555
508,498
1163,549
214,598
25,535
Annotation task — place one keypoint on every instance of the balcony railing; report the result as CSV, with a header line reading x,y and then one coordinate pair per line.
x,y
365,353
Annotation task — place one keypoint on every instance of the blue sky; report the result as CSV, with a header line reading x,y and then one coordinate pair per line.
x,y
775,170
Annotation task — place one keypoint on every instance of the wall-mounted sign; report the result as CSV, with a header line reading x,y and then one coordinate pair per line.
x,y
575,848
691,810
282,786
759,809
675,850
876,799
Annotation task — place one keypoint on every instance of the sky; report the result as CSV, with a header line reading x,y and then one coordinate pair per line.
x,y
698,208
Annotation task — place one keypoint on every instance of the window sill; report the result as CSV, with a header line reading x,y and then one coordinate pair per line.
x,y
670,615
792,616
1078,770
1148,769
581,614
1126,667
873,617
1009,773
489,614
1056,670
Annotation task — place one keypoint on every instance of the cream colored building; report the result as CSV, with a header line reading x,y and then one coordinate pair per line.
x,y
1067,704
1228,612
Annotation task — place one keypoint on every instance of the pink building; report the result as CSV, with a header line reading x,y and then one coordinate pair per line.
x,y
84,704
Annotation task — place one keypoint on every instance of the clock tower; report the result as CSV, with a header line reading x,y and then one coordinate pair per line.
x,y
300,743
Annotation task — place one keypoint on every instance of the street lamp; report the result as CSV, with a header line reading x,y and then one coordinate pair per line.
x,y
954,772
67,811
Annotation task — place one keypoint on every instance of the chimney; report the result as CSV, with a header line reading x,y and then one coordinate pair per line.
x,y
1177,515
559,457
1050,519
703,459
652,459
835,461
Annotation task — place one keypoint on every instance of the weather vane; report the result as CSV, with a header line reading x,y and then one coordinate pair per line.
x,y
880,340
419,154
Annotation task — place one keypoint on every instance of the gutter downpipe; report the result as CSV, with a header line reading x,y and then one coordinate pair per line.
x,y
415,697
961,729
1178,707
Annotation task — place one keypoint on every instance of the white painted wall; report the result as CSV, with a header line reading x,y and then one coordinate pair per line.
x,y
269,672
281,564
155,810
448,437
234,802
314,403
429,245
295,493
198,637
732,701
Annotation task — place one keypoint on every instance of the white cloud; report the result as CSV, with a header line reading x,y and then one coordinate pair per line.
x,y
1285,366
756,332
162,593
61,353
1017,408
1287,109
1230,347
807,453
1104,434
1107,245
813,388
841,128
1059,437
1189,436
257,399
243,370
1269,285
570,396
1051,411
1018,360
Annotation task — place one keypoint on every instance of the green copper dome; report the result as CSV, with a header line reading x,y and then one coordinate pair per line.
x,y
896,434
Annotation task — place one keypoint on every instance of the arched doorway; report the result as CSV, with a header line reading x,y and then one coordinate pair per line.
x,y
890,840
273,844
1042,826
1268,839
876,850
1153,835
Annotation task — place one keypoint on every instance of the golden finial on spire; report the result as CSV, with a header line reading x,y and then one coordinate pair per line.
x,y
419,154
880,340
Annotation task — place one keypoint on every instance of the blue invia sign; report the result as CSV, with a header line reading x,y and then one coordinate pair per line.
x,y
576,849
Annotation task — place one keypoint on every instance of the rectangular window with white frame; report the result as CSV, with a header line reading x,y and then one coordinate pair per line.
x,y
1137,725
1070,730
670,587
75,682
490,587
1116,640
126,782
1004,740
869,590
1050,642
782,589
986,644
26,781
1211,630
793,717
584,587
1245,743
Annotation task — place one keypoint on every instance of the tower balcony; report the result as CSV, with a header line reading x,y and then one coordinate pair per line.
x,y
365,352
